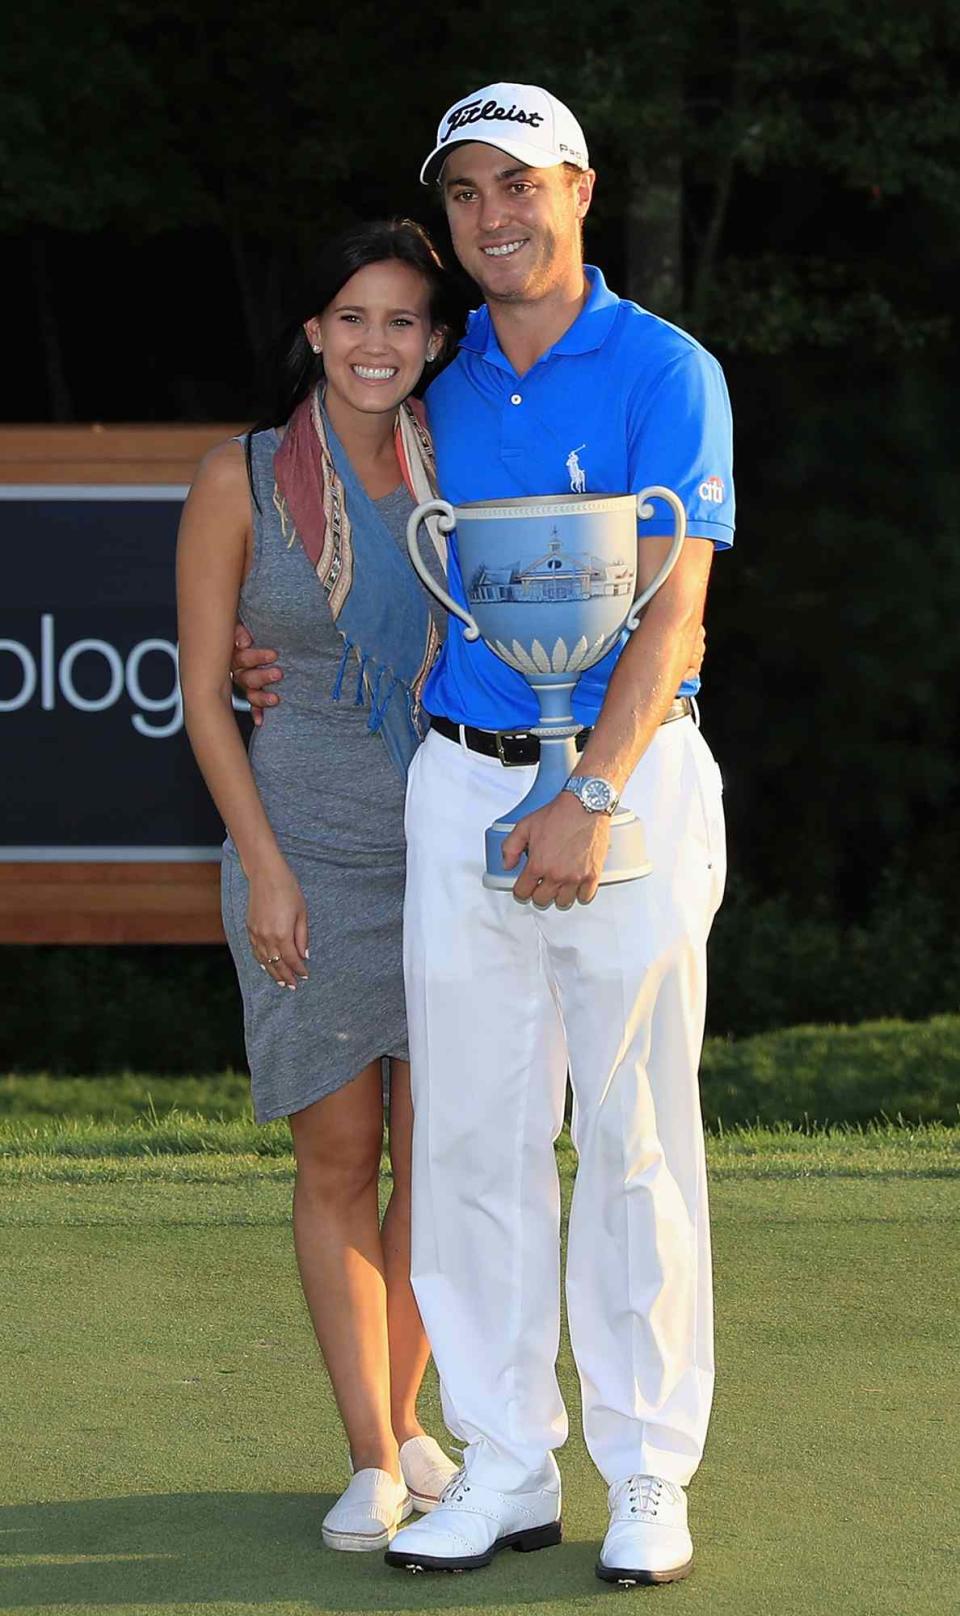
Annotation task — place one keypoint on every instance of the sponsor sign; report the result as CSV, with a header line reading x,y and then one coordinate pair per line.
x,y
97,765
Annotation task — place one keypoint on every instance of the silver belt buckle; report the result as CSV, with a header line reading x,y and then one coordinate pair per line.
x,y
680,707
498,734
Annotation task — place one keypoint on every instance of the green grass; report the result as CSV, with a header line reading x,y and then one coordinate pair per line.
x,y
800,1075
123,1096
168,1441
829,1074
177,1147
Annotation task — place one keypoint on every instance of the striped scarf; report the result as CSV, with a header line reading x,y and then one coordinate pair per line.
x,y
376,600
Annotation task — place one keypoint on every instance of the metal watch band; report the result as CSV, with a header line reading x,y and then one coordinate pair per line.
x,y
578,784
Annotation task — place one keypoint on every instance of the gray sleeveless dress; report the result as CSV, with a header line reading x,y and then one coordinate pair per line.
x,y
335,803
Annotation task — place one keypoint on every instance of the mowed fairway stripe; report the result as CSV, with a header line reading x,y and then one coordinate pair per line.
x,y
169,1442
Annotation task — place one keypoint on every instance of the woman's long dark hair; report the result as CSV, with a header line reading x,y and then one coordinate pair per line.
x,y
292,370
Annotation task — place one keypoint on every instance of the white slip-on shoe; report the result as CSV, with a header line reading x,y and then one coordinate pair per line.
x,y
366,1516
472,1523
648,1540
426,1469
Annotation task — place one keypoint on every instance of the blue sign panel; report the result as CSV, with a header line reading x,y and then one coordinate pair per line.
x,y
97,765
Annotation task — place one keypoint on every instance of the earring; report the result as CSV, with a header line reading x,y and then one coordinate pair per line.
x,y
316,347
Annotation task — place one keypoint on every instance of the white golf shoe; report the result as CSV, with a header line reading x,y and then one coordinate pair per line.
x,y
648,1540
366,1516
426,1469
472,1523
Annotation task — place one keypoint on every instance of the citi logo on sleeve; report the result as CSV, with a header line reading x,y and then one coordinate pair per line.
x,y
712,489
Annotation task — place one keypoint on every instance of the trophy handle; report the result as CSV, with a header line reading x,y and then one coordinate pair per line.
x,y
446,520
644,512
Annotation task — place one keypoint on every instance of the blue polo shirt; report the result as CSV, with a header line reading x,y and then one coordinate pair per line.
x,y
622,399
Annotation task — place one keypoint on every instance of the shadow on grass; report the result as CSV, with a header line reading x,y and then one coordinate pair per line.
x,y
248,1548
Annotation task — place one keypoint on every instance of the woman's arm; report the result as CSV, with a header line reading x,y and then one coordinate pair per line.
x,y
212,554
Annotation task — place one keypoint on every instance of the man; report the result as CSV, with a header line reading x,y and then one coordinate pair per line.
x,y
560,385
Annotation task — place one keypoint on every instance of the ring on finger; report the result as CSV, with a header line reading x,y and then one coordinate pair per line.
x,y
274,959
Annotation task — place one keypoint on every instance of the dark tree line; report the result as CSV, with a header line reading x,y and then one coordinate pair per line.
x,y
780,176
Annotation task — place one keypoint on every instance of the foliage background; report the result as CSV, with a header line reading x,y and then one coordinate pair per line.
x,y
779,176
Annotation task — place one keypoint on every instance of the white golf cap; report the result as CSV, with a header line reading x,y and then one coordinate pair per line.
x,y
526,122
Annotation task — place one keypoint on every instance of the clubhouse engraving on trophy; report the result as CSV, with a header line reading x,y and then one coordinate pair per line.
x,y
558,577
554,576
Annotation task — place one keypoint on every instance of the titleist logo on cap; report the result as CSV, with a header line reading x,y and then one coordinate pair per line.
x,y
523,120
490,112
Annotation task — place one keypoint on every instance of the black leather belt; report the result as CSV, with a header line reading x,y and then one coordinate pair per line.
x,y
515,747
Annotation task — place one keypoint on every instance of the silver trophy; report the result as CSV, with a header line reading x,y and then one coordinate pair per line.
x,y
551,587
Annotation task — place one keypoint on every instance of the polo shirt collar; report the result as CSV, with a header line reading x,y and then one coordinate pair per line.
x,y
588,332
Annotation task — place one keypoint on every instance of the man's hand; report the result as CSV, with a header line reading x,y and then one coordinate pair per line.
x,y
565,847
253,673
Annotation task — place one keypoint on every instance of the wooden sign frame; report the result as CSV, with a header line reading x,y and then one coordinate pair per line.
x,y
155,900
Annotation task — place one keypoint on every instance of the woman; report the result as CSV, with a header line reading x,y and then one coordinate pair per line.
x,y
301,531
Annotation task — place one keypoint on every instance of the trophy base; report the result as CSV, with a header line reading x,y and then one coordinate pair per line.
x,y
626,857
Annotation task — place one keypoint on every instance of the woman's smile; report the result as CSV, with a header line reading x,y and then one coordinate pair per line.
x,y
371,373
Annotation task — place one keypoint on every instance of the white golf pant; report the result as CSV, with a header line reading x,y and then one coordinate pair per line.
x,y
502,999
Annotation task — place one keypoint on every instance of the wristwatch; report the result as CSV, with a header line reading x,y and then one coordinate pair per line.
x,y
596,795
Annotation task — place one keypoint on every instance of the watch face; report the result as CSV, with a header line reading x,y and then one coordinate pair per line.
x,y
596,794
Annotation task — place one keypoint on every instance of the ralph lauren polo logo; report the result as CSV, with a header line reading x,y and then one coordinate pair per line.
x,y
576,472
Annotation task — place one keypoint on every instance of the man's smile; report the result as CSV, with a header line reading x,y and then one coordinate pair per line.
x,y
503,249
